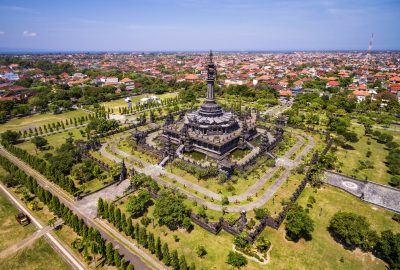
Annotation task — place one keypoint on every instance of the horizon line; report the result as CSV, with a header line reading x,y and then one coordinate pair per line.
x,y
5,51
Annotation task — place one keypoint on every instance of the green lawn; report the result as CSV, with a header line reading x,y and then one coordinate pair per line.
x,y
54,141
11,232
38,256
115,104
322,252
349,159
274,205
39,120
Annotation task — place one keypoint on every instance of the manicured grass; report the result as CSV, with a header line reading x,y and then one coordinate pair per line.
x,y
196,155
283,194
38,120
238,154
115,104
124,146
11,232
349,159
38,256
283,146
54,141
322,252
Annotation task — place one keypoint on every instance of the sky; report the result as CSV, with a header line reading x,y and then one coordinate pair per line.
x,y
193,25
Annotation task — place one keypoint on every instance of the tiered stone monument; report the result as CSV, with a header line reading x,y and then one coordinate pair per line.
x,y
211,130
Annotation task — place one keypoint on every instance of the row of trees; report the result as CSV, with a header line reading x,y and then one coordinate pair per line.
x,y
354,231
55,126
51,172
145,239
90,240
393,157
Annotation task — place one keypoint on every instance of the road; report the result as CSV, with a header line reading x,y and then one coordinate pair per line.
x,y
65,198
55,243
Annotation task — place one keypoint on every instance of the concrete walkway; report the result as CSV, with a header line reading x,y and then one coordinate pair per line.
x,y
88,204
381,195
155,171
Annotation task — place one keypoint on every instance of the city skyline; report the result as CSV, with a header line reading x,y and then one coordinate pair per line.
x,y
197,25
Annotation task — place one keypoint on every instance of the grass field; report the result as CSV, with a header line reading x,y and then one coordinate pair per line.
x,y
274,205
65,234
11,232
322,252
349,159
115,104
38,256
54,141
39,120
237,185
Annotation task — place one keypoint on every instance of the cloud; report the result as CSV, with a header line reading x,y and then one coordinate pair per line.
x,y
2,33
29,34
18,9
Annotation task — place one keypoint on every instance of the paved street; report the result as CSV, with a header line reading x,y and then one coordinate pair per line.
x,y
381,195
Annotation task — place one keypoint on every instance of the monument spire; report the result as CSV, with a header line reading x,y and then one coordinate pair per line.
x,y
210,107
211,74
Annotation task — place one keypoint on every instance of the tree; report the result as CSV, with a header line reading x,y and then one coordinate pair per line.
x,y
352,231
165,254
182,263
260,213
137,205
9,137
187,224
351,136
109,253
225,200
170,210
117,258
298,223
393,161
262,244
201,251
236,259
175,260
39,142
240,240
130,267
395,181
100,207
158,248
82,172
388,248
